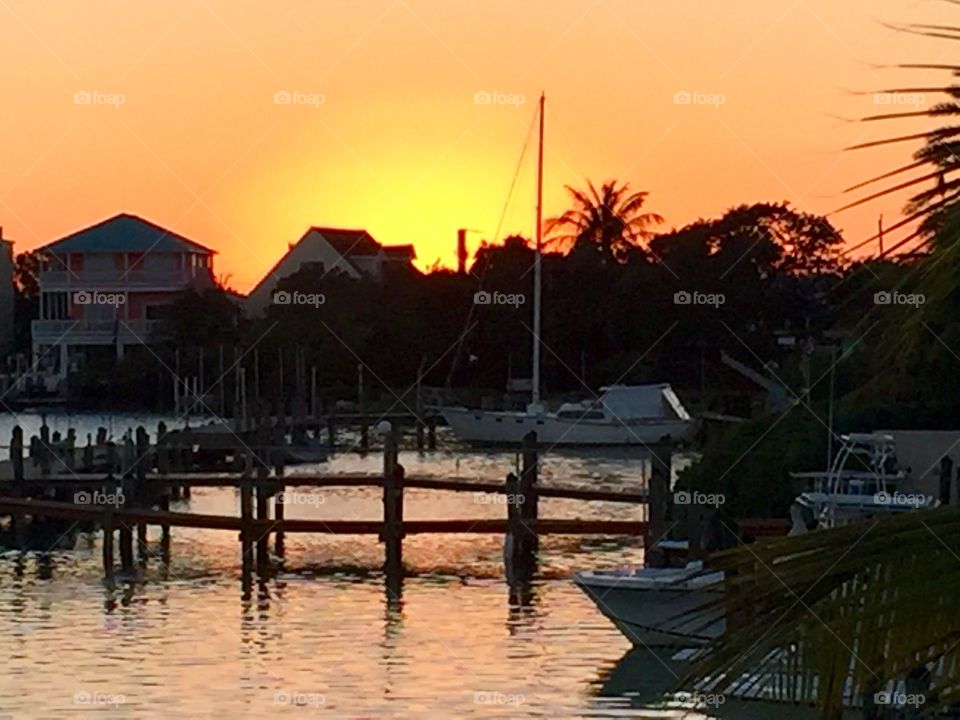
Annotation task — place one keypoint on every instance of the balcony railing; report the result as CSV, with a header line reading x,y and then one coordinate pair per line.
x,y
89,331
94,279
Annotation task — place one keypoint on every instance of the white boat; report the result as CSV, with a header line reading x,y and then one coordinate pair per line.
x,y
863,481
659,607
622,415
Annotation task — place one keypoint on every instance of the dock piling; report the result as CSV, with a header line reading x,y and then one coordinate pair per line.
x,y
657,506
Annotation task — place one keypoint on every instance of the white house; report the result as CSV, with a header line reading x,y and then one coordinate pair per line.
x,y
352,252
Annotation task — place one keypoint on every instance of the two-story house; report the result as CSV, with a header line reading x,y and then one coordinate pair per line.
x,y
352,252
102,288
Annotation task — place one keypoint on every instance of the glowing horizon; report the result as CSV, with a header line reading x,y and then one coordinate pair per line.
x,y
241,127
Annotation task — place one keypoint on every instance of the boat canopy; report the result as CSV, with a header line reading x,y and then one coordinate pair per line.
x,y
636,402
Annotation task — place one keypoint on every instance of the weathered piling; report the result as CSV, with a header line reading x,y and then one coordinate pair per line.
x,y
392,534
946,478
331,431
18,521
278,501
107,548
432,433
658,503
526,541
246,529
264,436
142,497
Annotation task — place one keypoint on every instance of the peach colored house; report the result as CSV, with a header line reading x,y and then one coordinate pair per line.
x,y
102,288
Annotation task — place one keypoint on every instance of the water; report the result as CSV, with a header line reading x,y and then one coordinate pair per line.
x,y
320,639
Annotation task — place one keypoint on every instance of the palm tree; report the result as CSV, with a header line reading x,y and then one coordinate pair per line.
x,y
610,220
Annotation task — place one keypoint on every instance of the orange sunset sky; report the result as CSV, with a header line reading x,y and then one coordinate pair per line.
x,y
167,110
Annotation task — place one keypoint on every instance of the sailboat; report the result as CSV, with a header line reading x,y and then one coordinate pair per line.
x,y
620,415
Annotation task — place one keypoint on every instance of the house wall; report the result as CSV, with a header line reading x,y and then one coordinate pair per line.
x,y
7,298
313,248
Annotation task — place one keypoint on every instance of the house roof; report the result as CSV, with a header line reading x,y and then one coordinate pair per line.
x,y
349,242
125,233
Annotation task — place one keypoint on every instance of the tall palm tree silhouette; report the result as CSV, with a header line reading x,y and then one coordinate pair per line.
x,y
609,220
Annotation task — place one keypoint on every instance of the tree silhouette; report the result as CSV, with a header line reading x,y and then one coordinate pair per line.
x,y
609,221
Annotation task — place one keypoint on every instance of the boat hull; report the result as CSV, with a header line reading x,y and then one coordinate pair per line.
x,y
484,428
656,616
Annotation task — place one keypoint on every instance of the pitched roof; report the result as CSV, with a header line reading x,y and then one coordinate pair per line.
x,y
126,233
348,242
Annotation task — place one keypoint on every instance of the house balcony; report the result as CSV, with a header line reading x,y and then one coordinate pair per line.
x,y
122,280
91,332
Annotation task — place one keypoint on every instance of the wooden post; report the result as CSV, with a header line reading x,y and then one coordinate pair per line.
x,y
420,433
392,533
263,473
141,492
186,460
432,433
946,478
362,405
658,491
246,532
108,544
88,455
695,531
331,431
278,502
19,490
44,448
526,542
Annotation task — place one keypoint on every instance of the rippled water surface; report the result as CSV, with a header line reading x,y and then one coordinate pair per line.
x,y
320,638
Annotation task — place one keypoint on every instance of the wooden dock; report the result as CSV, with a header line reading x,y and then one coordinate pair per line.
x,y
141,478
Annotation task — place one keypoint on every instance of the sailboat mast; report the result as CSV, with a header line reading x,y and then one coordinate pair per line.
x,y
536,266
